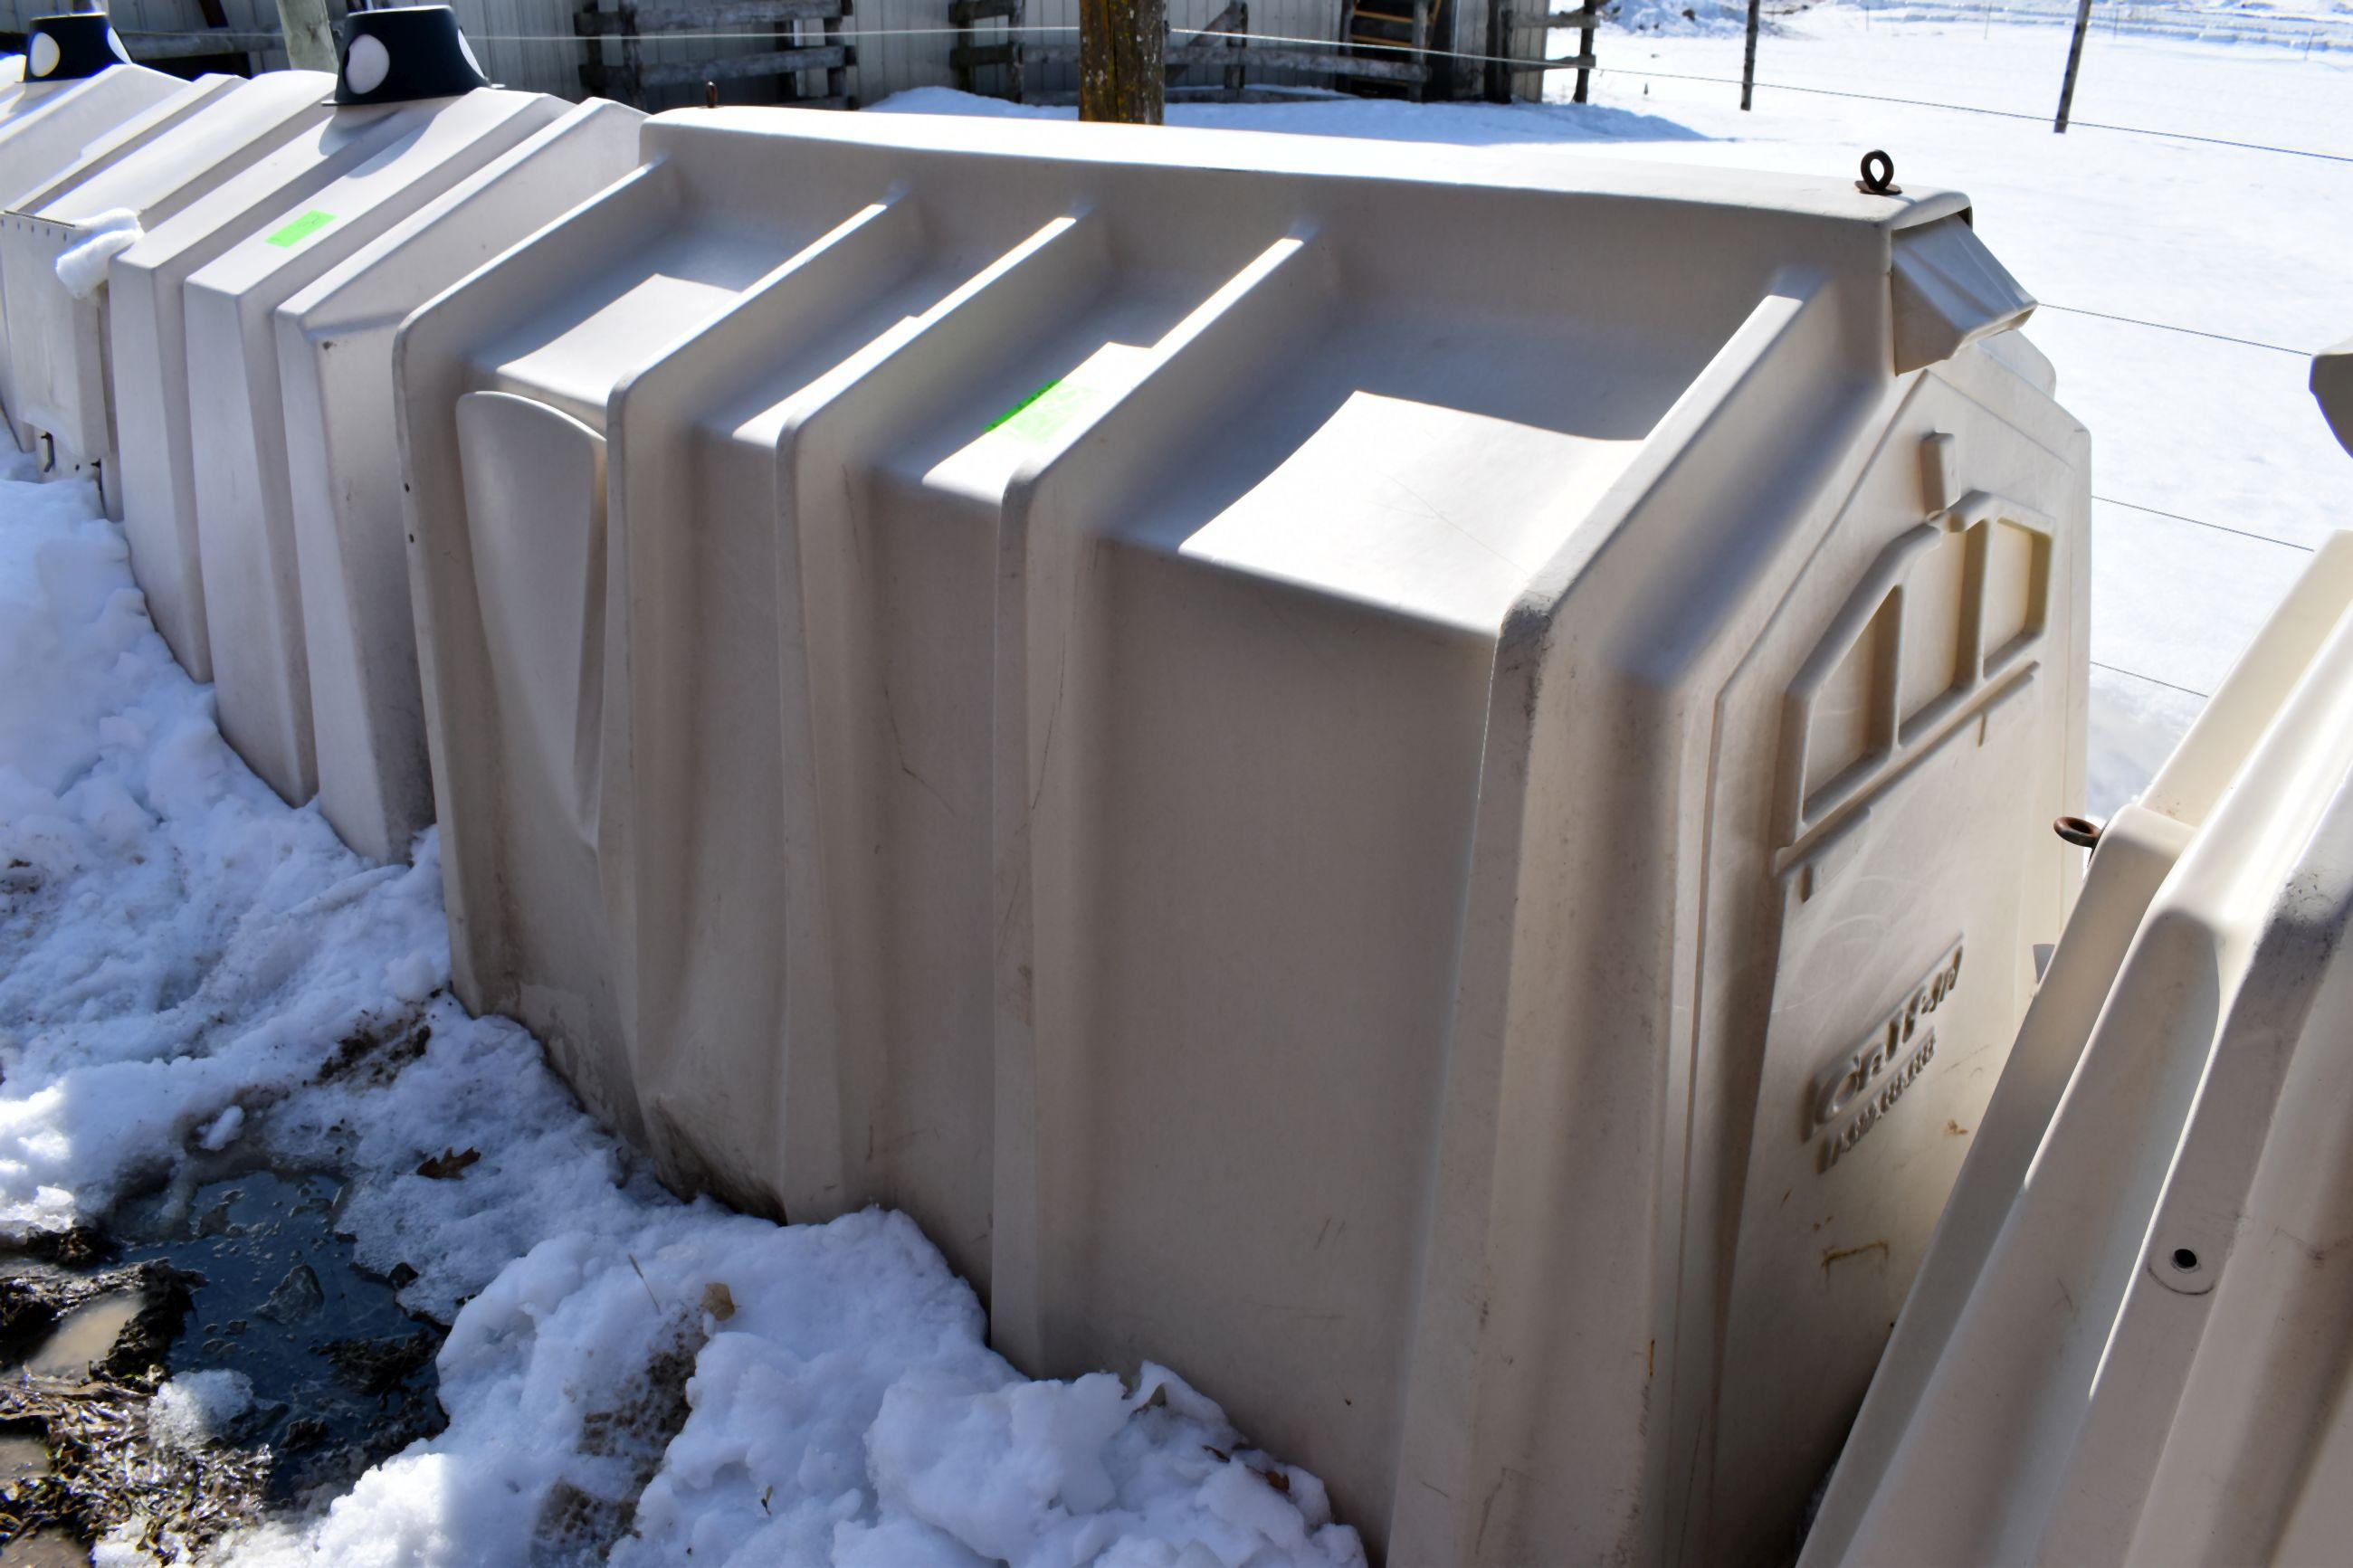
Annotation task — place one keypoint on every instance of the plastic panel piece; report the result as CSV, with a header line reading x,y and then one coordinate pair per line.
x,y
2126,1343
334,359
48,127
2332,384
237,419
155,169
147,328
1948,291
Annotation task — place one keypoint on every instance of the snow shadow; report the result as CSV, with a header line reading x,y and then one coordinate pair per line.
x,y
1379,119
1452,124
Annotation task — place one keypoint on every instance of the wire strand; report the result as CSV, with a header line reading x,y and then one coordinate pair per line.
x,y
2171,327
2137,675
2019,114
2201,522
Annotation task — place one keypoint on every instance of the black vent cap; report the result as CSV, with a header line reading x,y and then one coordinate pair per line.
x,y
403,53
68,49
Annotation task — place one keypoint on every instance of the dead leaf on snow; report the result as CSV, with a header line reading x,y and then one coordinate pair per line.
x,y
448,1165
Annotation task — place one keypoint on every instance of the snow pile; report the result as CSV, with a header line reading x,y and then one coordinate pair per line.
x,y
224,1129
1031,1472
187,965
174,941
197,1407
82,267
1678,18
1467,124
2309,28
843,1410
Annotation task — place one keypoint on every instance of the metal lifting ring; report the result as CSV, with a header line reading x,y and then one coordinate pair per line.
x,y
2080,831
1879,181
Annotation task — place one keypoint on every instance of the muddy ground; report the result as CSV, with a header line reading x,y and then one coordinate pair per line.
x,y
234,1267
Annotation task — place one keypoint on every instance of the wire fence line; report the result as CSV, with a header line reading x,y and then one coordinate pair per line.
x,y
2060,13
1469,56
2122,18
2153,680
853,35
2173,327
2202,522
2020,114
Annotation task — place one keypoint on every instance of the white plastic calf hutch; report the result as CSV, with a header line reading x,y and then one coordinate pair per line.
x,y
80,88
58,346
383,148
61,114
171,113
2127,1344
333,343
1451,851
245,522
167,115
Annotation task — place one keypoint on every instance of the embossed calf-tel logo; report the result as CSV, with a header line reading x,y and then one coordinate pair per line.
x,y
1863,1084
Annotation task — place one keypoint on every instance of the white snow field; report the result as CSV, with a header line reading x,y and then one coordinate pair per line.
x,y
182,956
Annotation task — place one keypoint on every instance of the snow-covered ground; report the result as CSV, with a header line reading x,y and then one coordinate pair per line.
x,y
186,965
181,957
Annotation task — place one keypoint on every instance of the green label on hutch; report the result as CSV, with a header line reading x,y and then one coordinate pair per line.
x,y
302,228
1046,411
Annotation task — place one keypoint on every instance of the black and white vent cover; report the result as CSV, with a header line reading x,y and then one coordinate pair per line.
x,y
67,49
405,52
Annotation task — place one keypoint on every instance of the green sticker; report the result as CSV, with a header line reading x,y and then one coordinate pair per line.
x,y
1046,410
302,228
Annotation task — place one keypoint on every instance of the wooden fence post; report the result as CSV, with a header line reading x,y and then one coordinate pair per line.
x,y
1592,12
2075,57
1748,62
1499,50
1122,53
1420,48
309,41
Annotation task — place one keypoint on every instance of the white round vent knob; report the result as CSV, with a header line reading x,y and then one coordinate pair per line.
x,y
366,65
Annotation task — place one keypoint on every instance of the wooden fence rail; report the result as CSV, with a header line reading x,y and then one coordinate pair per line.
x,y
1584,19
629,26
